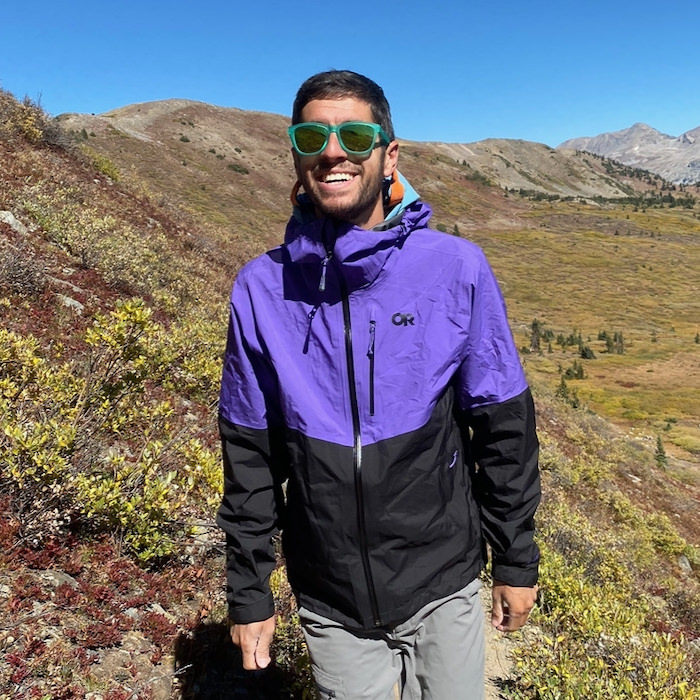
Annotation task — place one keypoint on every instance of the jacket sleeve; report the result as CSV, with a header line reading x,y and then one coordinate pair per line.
x,y
252,497
498,423
506,485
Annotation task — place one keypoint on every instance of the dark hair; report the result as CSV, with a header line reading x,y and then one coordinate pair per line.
x,y
345,83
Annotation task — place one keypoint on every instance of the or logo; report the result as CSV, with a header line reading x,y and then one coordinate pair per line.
x,y
402,319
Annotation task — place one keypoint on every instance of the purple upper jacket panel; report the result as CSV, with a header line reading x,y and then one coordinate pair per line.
x,y
425,312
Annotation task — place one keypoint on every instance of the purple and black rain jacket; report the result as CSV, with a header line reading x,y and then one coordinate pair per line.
x,y
376,373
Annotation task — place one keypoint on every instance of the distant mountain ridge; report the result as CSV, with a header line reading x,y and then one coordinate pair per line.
x,y
235,166
675,158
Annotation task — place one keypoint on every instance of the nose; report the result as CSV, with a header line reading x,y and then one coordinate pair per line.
x,y
333,149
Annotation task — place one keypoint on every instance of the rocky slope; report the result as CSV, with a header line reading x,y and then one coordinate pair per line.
x,y
675,158
220,161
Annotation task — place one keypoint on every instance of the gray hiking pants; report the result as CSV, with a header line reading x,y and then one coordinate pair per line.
x,y
438,654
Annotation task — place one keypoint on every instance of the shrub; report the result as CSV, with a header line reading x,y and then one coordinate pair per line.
x,y
20,272
63,438
609,625
28,120
102,163
238,168
135,262
596,644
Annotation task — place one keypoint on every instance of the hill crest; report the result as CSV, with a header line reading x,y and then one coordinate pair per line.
x,y
221,160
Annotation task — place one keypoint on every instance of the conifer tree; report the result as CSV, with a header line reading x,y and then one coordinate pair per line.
x,y
660,454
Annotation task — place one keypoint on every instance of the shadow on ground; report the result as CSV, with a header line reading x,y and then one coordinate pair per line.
x,y
209,667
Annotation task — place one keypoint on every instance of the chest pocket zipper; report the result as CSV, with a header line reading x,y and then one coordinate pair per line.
x,y
310,316
370,355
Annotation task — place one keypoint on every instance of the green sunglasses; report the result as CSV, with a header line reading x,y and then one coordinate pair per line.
x,y
355,138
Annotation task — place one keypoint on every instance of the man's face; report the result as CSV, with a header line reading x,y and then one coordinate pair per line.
x,y
345,186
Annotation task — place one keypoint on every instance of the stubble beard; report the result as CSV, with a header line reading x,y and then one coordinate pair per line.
x,y
370,193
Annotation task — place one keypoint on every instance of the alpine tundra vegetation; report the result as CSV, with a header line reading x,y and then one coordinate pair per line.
x,y
119,240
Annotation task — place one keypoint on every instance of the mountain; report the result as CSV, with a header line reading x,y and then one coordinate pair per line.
x,y
231,166
676,159
228,165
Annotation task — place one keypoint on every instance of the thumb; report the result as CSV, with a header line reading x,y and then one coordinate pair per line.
x,y
497,612
262,651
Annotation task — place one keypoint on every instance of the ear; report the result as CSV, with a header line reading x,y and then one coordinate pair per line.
x,y
391,158
295,159
295,192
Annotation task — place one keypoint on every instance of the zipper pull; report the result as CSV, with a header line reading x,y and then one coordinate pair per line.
x,y
324,267
372,331
310,316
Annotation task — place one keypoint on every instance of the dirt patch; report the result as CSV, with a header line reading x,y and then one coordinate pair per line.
x,y
499,664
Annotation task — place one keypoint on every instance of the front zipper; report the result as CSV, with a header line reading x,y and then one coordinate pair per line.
x,y
357,458
370,355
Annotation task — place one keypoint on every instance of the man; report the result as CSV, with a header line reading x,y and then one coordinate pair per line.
x,y
370,364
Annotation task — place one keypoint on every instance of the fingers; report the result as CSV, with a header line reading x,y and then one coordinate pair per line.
x,y
510,621
511,606
497,613
254,640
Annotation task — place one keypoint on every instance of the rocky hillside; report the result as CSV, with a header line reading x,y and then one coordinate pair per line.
x,y
675,158
235,167
527,166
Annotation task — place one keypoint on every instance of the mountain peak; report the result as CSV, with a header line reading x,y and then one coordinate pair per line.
x,y
642,128
676,159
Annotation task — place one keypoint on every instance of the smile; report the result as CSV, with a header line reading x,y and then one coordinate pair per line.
x,y
332,178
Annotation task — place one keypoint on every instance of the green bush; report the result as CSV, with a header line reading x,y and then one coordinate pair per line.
x,y
611,624
135,262
89,442
238,168
595,644
102,163
27,120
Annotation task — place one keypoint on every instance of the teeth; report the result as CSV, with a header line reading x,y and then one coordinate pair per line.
x,y
337,177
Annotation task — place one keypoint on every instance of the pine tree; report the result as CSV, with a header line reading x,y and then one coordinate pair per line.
x,y
562,390
660,454
535,337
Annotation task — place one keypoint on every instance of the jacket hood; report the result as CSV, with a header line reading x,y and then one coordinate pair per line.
x,y
359,253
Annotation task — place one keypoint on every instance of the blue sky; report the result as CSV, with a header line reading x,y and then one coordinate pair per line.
x,y
453,71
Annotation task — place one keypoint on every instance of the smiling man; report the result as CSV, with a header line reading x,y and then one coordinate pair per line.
x,y
342,184
370,366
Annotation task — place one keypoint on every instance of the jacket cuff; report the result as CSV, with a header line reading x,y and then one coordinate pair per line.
x,y
522,577
255,612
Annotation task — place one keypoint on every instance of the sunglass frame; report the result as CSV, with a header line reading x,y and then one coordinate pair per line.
x,y
336,129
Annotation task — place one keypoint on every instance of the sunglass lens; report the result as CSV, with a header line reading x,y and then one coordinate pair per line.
x,y
357,138
310,138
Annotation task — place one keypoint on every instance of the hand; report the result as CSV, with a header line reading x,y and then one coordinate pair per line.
x,y
511,606
254,639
